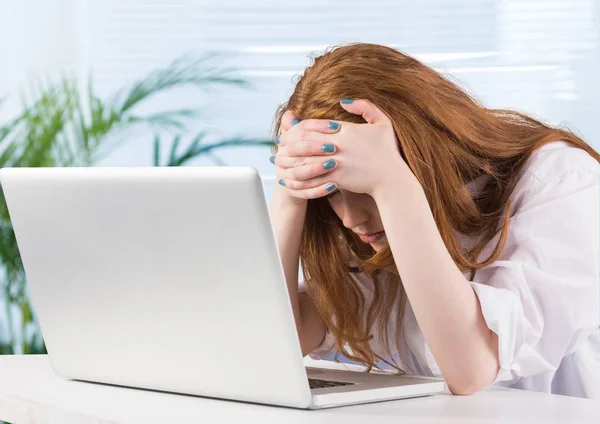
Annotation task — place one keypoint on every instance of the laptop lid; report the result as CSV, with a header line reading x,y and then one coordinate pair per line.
x,y
160,278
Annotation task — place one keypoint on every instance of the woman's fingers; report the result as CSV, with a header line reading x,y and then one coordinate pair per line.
x,y
310,130
324,126
287,121
295,136
310,148
311,192
300,146
284,161
309,171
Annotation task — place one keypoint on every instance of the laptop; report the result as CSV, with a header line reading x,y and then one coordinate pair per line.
x,y
170,279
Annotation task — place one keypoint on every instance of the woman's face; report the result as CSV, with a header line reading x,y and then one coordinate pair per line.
x,y
359,213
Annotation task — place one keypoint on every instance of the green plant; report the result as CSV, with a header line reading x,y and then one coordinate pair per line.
x,y
67,124
197,148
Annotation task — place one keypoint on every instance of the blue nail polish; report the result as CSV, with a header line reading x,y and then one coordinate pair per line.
x,y
333,125
272,160
347,101
329,164
276,141
295,121
281,182
331,187
328,148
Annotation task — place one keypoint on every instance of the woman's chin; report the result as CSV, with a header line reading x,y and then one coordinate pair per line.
x,y
379,244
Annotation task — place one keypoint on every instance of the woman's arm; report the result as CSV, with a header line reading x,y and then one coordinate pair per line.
x,y
446,307
287,216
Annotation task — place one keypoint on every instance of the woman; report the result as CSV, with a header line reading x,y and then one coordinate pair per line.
x,y
437,236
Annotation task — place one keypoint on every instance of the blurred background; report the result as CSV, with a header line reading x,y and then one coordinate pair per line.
x,y
184,82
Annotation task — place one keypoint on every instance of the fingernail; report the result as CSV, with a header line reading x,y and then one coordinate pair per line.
x,y
347,101
295,121
281,182
333,125
272,160
328,148
329,164
331,187
276,141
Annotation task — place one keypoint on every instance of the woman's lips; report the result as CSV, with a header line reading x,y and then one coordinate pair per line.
x,y
372,238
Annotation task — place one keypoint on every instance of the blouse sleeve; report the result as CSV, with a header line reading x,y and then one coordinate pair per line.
x,y
541,296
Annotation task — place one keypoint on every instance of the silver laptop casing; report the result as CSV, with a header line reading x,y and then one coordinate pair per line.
x,y
169,279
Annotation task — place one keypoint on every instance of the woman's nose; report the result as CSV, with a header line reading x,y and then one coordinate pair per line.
x,y
354,215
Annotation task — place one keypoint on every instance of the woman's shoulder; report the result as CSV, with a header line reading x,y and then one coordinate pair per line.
x,y
557,169
557,159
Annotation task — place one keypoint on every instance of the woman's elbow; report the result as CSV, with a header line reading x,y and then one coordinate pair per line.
x,y
469,384
482,372
465,389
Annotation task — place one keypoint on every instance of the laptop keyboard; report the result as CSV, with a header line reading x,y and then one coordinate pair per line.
x,y
316,383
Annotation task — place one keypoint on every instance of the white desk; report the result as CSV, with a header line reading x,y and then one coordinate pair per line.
x,y
31,393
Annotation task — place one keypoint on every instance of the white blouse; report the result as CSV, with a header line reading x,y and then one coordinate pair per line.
x,y
541,296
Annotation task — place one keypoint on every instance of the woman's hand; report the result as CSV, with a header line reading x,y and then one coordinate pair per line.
x,y
291,166
315,157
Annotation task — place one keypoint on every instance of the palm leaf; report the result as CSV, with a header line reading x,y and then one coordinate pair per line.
x,y
9,254
156,150
173,153
181,72
7,149
234,142
166,120
5,129
217,160
5,349
196,149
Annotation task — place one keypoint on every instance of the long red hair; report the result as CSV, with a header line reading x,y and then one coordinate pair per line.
x,y
447,139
